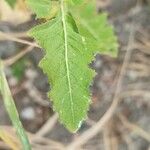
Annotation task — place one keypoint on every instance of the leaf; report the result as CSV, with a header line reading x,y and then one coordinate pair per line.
x,y
96,26
77,1
18,69
11,109
40,7
69,49
66,65
11,2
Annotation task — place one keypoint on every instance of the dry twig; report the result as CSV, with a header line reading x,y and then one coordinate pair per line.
x,y
48,126
106,138
135,128
18,56
15,39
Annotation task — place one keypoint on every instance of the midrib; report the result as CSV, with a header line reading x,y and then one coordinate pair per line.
x,y
66,57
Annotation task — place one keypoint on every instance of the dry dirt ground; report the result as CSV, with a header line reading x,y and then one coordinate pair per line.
x,y
129,127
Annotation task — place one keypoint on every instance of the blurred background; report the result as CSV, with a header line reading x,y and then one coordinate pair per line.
x,y
128,126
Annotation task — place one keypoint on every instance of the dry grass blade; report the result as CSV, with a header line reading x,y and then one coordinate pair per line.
x,y
9,139
106,138
15,58
6,36
48,126
135,128
11,109
3,146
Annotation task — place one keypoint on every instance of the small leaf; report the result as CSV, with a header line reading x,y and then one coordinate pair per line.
x,y
11,2
40,7
96,26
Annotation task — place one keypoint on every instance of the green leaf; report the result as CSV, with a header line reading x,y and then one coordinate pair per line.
x,y
11,2
96,26
11,109
66,65
18,69
40,7
69,48
77,1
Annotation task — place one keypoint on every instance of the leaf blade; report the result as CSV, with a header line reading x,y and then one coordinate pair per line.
x,y
72,102
68,51
11,110
11,2
41,8
96,27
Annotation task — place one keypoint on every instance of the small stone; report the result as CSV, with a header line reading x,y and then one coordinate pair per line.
x,y
28,113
